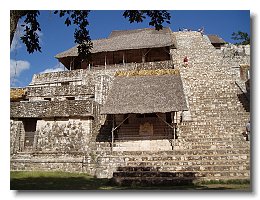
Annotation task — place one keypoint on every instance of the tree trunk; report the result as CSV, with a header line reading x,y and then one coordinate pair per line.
x,y
15,15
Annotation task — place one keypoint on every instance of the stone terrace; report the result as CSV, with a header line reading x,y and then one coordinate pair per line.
x,y
211,145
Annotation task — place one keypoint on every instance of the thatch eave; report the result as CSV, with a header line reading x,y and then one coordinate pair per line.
x,y
145,94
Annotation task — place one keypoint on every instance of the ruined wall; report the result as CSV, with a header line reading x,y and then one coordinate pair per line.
x,y
75,77
16,136
63,135
60,92
48,161
59,144
39,109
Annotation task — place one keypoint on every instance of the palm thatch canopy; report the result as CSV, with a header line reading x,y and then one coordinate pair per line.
x,y
126,40
145,94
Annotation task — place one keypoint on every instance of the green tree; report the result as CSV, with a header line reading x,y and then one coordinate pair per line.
x,y
79,18
242,37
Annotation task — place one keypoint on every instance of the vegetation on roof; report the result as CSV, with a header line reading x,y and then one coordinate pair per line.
x,y
17,94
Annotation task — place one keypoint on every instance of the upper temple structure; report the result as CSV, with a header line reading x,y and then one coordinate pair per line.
x,y
147,103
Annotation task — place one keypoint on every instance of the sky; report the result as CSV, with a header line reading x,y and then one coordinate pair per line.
x,y
56,37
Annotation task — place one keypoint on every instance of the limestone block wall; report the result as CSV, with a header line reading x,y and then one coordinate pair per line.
x,y
103,83
64,91
58,86
39,109
48,161
16,136
194,46
74,77
59,144
207,74
63,135
218,111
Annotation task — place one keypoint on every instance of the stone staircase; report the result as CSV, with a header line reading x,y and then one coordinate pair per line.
x,y
210,146
174,167
218,109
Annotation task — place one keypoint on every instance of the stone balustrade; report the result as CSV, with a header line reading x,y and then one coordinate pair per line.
x,y
66,90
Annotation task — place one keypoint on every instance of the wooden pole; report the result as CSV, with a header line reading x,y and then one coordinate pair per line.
x,y
113,129
143,56
112,142
105,60
123,58
70,63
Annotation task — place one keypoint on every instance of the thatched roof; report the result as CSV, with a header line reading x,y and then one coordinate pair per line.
x,y
215,39
145,94
130,39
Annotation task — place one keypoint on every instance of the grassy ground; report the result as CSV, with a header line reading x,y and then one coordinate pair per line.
x,y
75,181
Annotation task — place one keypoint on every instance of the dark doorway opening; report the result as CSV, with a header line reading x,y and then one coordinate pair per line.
x,y
29,128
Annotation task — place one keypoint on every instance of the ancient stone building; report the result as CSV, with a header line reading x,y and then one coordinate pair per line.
x,y
136,112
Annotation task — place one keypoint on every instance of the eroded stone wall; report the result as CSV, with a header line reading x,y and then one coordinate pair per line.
x,y
16,136
63,135
40,109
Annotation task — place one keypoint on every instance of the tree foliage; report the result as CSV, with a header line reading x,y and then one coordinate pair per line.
x,y
81,34
79,18
31,37
157,17
242,37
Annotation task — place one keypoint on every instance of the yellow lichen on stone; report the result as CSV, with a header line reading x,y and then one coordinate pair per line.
x,y
16,94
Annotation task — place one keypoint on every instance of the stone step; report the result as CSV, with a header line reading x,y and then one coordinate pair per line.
x,y
217,141
220,132
184,147
223,115
152,181
184,172
217,124
172,178
181,154
197,146
148,181
160,165
205,146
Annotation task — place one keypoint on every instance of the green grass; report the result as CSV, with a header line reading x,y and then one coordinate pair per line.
x,y
41,180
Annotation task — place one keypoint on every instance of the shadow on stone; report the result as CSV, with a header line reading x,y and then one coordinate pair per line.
x,y
245,101
58,183
150,176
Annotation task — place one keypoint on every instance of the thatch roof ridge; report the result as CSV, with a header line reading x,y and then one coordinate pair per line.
x,y
116,33
145,38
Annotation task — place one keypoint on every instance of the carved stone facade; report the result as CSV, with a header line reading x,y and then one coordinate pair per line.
x,y
64,121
